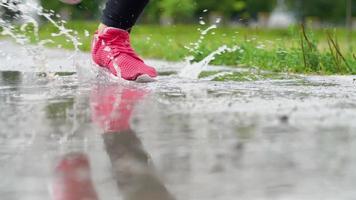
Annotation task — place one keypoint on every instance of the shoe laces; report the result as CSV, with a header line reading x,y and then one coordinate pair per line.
x,y
120,44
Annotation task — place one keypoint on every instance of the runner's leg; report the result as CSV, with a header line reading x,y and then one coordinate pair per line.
x,y
122,14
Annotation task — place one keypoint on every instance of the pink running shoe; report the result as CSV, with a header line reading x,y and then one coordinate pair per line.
x,y
111,49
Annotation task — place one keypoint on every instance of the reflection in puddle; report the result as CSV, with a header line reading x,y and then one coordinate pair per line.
x,y
10,78
73,179
206,140
112,107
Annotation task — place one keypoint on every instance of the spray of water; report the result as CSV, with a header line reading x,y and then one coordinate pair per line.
x,y
193,69
25,11
193,47
26,15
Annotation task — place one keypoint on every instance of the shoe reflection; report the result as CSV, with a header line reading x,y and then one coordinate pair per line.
x,y
72,179
112,108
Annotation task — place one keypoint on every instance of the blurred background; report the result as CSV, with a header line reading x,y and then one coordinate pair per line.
x,y
262,13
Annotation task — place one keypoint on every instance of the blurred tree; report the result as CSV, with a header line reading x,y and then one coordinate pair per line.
x,y
184,10
324,10
87,9
245,9
223,7
152,12
172,10
253,7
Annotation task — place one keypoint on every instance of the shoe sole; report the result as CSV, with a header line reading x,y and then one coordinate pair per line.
x,y
140,79
145,79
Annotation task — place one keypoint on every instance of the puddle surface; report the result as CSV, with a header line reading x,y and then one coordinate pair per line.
x,y
64,137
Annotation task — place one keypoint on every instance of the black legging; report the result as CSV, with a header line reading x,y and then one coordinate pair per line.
x,y
123,14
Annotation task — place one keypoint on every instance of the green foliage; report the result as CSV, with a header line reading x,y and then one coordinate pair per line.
x,y
87,9
226,7
310,52
326,10
176,8
250,75
273,50
253,7
184,10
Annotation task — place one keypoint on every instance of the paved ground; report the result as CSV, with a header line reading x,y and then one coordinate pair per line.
x,y
84,134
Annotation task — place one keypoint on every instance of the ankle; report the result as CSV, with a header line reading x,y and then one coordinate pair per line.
x,y
101,28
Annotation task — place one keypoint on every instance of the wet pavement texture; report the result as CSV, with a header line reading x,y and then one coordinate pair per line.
x,y
71,136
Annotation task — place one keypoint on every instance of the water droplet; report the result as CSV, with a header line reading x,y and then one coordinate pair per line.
x,y
201,22
86,33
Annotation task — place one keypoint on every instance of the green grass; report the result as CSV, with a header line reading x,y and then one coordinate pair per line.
x,y
277,50
252,75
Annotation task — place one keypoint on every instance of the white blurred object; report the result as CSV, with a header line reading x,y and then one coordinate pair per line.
x,y
72,2
281,17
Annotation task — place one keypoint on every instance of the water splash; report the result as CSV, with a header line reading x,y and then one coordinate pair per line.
x,y
193,47
26,15
193,70
63,31
26,11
